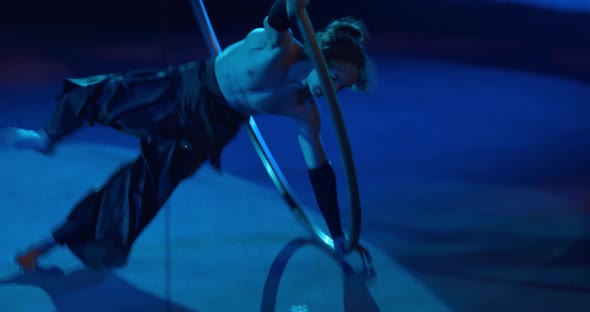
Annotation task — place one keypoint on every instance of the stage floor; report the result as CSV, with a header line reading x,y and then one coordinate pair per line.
x,y
474,183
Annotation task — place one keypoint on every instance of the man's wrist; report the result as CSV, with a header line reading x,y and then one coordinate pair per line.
x,y
278,17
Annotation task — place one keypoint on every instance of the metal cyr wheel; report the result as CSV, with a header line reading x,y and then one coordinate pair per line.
x,y
273,170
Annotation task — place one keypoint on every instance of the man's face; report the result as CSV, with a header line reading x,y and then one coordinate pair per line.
x,y
343,75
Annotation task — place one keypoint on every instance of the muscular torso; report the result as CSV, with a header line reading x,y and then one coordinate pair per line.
x,y
255,77
266,73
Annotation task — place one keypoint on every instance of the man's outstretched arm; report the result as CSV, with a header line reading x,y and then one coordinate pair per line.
x,y
320,171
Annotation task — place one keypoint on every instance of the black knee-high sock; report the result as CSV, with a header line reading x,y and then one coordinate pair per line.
x,y
323,181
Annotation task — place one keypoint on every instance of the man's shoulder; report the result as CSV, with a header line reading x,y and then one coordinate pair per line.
x,y
277,39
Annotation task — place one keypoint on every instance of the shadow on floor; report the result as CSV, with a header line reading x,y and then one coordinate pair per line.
x,y
87,290
356,294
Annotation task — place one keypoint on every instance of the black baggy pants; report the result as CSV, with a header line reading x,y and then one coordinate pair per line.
x,y
171,110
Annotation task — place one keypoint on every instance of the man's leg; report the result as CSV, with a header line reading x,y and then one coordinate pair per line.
x,y
78,225
102,227
131,103
69,115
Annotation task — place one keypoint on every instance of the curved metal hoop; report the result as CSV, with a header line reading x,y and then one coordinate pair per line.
x,y
263,151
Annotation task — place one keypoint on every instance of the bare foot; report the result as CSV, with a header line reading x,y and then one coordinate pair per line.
x,y
36,140
28,260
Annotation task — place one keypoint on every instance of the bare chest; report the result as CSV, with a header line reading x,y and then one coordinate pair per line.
x,y
255,81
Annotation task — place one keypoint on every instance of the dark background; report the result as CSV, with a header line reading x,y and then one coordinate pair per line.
x,y
541,38
455,163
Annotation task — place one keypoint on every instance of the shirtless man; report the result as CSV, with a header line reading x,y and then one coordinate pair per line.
x,y
186,114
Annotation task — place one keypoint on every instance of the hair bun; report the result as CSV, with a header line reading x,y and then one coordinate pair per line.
x,y
348,26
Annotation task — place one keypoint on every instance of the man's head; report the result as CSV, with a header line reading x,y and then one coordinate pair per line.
x,y
342,43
